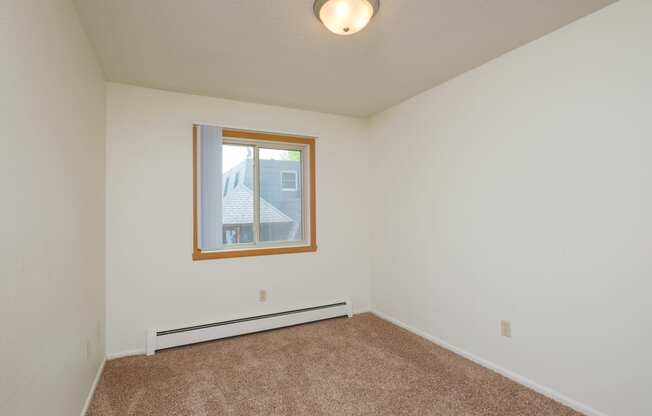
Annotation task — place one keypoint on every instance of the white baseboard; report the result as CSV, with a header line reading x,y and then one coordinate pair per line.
x,y
123,354
91,393
546,391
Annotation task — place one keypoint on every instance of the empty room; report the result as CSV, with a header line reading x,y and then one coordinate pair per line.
x,y
326,208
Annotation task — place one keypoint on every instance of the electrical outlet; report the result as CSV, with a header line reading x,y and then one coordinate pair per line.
x,y
262,296
506,329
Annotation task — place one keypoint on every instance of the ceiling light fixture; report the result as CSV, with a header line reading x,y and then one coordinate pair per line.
x,y
345,17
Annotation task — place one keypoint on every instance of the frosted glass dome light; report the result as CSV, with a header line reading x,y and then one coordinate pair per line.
x,y
345,17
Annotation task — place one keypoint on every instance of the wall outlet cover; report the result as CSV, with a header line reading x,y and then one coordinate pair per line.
x,y
506,329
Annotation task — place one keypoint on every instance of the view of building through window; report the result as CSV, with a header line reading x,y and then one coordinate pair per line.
x,y
237,198
280,196
280,210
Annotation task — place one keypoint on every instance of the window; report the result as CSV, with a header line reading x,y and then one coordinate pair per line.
x,y
226,186
259,214
288,180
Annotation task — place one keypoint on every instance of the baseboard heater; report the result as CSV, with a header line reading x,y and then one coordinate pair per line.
x,y
162,339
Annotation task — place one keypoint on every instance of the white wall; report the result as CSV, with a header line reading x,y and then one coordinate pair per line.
x,y
52,210
151,279
522,190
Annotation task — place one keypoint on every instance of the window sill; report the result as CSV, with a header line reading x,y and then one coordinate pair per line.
x,y
267,251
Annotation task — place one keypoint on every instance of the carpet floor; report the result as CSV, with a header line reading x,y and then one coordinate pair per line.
x,y
358,366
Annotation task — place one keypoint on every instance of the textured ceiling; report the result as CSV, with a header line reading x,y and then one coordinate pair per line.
x,y
277,52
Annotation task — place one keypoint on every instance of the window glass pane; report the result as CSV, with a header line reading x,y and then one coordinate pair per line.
x,y
226,186
238,199
280,195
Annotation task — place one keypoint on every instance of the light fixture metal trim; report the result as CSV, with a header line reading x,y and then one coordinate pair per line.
x,y
375,5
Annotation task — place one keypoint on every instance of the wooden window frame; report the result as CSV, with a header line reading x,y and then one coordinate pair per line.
x,y
311,246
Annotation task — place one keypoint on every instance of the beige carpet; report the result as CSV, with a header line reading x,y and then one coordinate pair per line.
x,y
357,366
